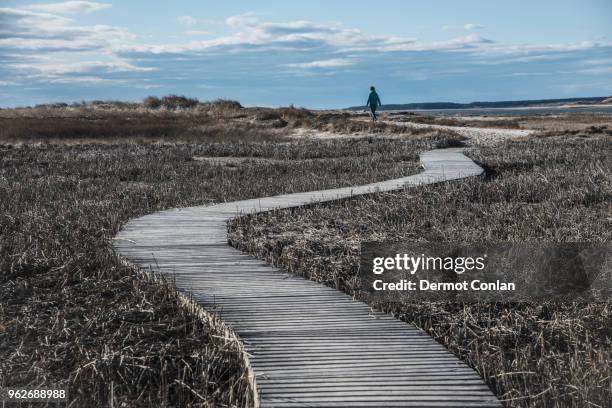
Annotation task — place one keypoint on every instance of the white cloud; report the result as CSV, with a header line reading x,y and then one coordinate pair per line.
x,y
505,53
52,68
602,70
242,20
85,80
467,26
18,20
250,34
328,63
598,61
187,20
468,39
196,32
249,31
69,7
51,47
42,48
31,30
303,34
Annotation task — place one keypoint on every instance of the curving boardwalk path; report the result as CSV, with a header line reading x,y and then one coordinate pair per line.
x,y
308,345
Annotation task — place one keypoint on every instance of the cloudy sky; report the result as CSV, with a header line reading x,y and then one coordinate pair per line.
x,y
312,53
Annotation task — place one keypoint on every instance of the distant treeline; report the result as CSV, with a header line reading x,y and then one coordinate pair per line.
x,y
486,105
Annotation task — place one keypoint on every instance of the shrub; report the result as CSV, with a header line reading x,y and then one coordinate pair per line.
x,y
55,105
226,104
293,113
279,123
111,104
265,114
178,102
151,102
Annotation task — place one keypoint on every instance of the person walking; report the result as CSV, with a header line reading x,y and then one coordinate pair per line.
x,y
373,102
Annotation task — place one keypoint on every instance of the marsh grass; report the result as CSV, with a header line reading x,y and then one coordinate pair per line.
x,y
176,119
577,123
73,315
503,123
556,188
94,125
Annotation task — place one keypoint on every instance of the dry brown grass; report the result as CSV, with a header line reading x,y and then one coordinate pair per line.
x,y
350,123
563,122
501,123
551,188
72,315
567,122
95,125
167,120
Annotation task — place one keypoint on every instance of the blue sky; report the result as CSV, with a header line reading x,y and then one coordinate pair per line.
x,y
317,54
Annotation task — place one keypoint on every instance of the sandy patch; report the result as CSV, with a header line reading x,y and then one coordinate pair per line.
x,y
234,161
301,133
476,135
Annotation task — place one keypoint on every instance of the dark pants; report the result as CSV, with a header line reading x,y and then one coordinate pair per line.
x,y
373,109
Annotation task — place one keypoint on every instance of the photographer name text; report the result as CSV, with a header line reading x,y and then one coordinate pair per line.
x,y
425,285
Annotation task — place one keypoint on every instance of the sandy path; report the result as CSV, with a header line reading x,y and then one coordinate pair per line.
x,y
477,135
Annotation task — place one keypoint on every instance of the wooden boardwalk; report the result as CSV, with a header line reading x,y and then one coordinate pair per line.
x,y
308,345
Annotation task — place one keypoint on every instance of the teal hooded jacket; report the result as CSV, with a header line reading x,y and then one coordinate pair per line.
x,y
373,100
